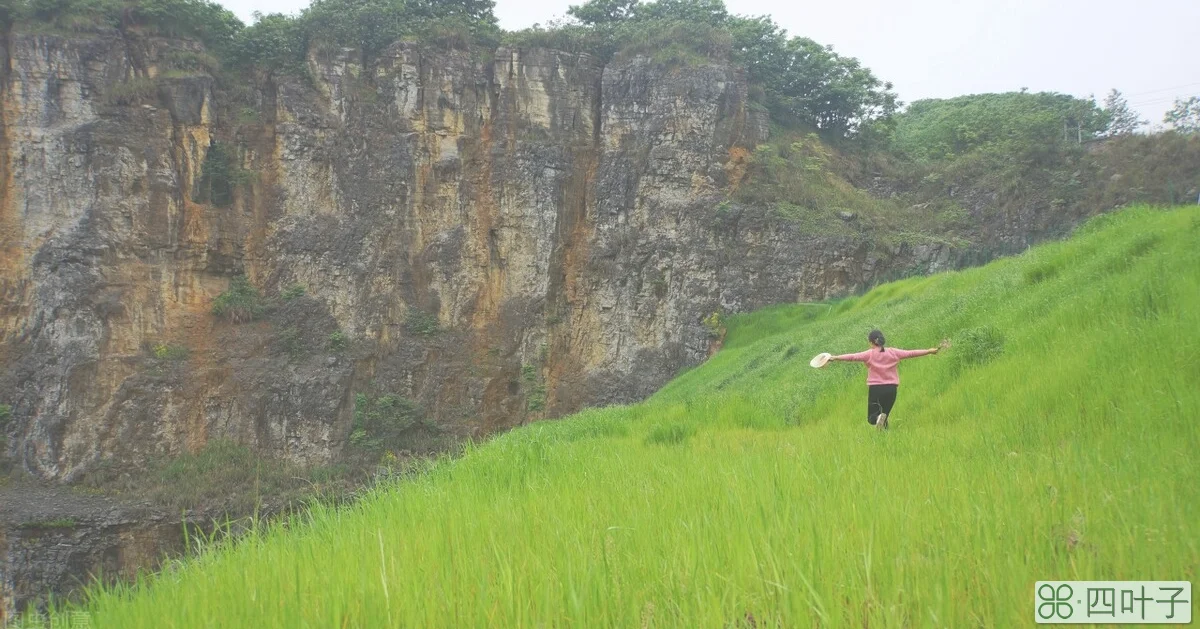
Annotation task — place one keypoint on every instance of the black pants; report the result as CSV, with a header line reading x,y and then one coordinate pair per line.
x,y
880,399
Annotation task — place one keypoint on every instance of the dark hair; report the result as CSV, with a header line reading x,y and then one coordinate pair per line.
x,y
876,337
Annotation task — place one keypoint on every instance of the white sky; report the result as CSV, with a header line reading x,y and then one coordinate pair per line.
x,y
944,48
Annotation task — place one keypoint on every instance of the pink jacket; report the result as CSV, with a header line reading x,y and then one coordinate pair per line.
x,y
881,366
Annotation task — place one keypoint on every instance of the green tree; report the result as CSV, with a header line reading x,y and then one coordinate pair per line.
x,y
603,12
370,26
1016,126
206,21
835,94
798,79
1185,116
273,42
1121,119
711,12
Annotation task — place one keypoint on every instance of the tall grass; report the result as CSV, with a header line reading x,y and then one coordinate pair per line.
x,y
751,491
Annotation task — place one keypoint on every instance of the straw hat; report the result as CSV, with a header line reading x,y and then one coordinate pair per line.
x,y
819,360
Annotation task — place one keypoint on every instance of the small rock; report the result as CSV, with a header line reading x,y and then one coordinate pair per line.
x,y
847,216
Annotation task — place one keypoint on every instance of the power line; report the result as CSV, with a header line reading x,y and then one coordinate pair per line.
x,y
1165,89
1156,101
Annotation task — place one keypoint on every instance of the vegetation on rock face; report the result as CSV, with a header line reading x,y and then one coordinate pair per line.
x,y
420,323
294,291
131,91
169,351
221,476
381,421
5,420
241,303
751,487
220,174
805,181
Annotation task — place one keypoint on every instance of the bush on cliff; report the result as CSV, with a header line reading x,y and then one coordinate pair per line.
x,y
240,303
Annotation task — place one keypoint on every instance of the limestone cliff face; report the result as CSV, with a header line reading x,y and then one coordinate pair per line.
x,y
560,221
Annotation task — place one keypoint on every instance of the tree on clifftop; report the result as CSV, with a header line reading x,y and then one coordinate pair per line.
x,y
1185,116
1121,119
796,78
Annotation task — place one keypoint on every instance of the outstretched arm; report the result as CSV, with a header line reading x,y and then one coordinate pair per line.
x,y
860,357
914,353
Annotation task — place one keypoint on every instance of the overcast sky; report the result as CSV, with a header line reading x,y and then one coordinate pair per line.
x,y
942,48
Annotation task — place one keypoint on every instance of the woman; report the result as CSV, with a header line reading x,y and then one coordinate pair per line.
x,y
882,379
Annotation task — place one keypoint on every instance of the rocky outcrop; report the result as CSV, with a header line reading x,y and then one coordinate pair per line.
x,y
493,241
53,541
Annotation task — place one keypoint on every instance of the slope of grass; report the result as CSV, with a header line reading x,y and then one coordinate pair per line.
x,y
751,491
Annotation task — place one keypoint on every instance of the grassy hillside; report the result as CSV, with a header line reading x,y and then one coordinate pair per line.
x,y
1055,440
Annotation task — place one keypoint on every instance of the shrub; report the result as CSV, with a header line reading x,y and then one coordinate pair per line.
x,y
338,341
131,92
360,439
220,174
167,351
536,400
659,286
714,324
241,303
248,116
456,34
189,61
680,44
804,181
979,346
382,421
569,38
420,323
294,291
222,472
5,416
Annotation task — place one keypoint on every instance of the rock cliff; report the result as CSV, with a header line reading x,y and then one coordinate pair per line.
x,y
491,241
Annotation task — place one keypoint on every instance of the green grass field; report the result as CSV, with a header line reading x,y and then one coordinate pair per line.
x,y
1057,439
